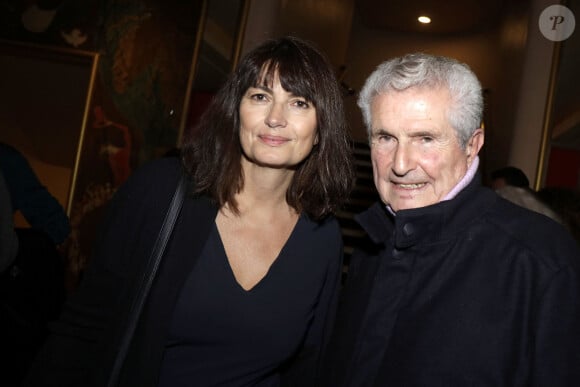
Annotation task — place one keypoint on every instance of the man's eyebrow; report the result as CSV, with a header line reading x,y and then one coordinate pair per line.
x,y
379,131
423,133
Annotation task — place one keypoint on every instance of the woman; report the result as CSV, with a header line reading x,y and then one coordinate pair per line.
x,y
249,278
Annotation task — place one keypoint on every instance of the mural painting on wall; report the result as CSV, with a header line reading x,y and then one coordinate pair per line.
x,y
145,48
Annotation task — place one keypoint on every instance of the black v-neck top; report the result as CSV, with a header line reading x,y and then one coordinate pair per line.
x,y
293,309
224,335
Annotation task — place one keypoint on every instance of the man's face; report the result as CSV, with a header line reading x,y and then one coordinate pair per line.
x,y
416,156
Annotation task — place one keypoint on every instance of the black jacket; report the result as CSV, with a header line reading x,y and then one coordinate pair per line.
x,y
473,291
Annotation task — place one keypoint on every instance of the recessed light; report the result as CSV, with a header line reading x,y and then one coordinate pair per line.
x,y
424,19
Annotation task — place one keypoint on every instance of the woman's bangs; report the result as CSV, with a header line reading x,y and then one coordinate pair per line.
x,y
293,78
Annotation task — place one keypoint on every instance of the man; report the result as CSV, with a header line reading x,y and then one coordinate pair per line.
x,y
456,286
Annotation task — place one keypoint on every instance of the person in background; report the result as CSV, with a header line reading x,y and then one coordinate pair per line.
x,y
527,198
459,287
8,237
245,292
512,184
39,207
511,176
32,287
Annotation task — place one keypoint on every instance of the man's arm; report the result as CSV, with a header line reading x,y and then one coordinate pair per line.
x,y
557,342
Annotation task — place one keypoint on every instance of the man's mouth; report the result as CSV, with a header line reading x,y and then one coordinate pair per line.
x,y
410,186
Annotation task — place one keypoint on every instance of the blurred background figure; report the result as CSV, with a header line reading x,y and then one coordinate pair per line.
x,y
512,184
559,203
509,175
525,197
32,287
38,206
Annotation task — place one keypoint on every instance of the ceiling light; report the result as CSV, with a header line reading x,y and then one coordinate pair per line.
x,y
424,19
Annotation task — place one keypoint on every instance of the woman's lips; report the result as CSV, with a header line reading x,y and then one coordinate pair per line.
x,y
273,140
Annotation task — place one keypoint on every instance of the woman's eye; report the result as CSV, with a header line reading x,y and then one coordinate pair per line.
x,y
258,97
302,104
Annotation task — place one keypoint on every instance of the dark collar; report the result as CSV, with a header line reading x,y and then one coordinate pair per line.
x,y
432,223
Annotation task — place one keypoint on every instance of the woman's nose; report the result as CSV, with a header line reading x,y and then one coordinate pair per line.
x,y
276,116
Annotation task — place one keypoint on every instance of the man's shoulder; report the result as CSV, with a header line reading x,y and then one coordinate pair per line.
x,y
522,221
534,233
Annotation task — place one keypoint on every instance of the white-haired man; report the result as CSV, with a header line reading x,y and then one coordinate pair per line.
x,y
456,286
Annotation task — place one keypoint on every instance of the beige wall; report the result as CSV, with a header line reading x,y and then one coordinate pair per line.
x,y
495,56
325,22
531,108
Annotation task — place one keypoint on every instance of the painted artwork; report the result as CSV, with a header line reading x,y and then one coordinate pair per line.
x,y
62,23
145,52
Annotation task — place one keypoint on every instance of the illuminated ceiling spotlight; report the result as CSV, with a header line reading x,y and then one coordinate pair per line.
x,y
424,19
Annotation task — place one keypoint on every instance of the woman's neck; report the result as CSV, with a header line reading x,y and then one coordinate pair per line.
x,y
263,187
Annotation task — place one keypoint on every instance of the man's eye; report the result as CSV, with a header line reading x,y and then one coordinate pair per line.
x,y
427,139
384,138
383,141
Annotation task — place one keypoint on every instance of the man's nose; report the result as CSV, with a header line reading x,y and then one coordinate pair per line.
x,y
403,159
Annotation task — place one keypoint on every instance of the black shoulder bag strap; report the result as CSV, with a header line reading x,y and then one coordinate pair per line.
x,y
148,277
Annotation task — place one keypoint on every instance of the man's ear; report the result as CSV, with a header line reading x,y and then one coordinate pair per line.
x,y
474,144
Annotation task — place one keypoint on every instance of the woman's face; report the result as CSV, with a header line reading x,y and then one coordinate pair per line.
x,y
277,128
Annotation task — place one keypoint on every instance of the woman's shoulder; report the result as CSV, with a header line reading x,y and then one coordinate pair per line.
x,y
162,169
149,187
326,230
154,176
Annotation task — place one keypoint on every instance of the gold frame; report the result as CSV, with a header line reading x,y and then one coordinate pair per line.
x,y
64,56
86,113
543,155
236,53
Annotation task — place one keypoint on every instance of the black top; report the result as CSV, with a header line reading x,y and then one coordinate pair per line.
x,y
222,334
83,343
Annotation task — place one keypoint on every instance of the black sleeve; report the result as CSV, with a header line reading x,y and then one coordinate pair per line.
x,y
80,341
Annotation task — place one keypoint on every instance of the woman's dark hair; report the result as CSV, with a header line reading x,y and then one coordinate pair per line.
x,y
212,154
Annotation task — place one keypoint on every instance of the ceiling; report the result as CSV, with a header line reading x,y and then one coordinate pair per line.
x,y
452,17
448,17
